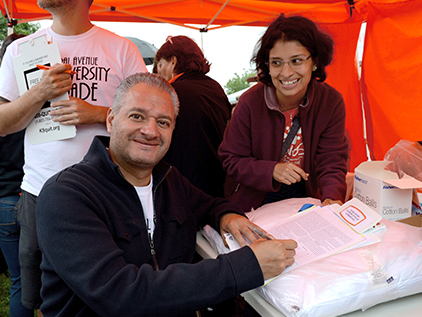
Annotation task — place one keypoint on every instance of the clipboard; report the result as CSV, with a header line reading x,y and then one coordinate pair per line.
x,y
359,216
35,51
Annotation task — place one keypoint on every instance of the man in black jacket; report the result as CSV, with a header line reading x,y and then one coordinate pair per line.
x,y
118,230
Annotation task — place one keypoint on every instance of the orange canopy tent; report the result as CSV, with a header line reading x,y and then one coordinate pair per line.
x,y
388,90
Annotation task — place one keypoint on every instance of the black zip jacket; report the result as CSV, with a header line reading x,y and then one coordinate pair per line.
x,y
97,258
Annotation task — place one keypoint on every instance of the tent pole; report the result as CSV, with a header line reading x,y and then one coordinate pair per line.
x,y
216,15
351,7
369,155
10,22
202,41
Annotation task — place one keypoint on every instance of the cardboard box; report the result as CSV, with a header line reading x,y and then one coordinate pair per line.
x,y
415,221
383,191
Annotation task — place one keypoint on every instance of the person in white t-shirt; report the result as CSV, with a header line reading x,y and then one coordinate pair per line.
x,y
101,61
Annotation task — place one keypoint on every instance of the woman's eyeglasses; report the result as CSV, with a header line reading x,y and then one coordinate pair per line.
x,y
294,63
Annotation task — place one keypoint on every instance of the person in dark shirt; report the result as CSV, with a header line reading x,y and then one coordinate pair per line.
x,y
286,138
204,113
118,230
11,163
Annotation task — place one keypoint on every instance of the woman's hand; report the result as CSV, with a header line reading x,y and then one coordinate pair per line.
x,y
329,201
288,173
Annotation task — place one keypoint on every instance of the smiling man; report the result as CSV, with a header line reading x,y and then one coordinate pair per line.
x,y
118,230
141,131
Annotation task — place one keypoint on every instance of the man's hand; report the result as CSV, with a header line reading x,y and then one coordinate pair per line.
x,y
274,255
54,82
289,173
77,112
17,115
238,225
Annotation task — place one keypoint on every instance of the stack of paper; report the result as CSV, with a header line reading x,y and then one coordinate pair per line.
x,y
323,231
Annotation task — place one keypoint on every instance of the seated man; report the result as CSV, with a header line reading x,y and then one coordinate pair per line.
x,y
117,231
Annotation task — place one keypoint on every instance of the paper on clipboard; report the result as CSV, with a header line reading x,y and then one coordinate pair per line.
x,y
318,231
358,215
42,129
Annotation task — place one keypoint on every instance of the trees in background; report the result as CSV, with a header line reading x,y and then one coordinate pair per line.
x,y
238,83
22,28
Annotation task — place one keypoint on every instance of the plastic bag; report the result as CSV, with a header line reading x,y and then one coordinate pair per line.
x,y
347,281
407,158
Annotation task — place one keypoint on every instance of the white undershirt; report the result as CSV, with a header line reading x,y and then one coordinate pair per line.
x,y
145,196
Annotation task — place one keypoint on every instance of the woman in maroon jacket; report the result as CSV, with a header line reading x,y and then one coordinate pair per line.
x,y
291,58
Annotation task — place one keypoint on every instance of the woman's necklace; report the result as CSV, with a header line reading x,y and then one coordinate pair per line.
x,y
291,112
285,110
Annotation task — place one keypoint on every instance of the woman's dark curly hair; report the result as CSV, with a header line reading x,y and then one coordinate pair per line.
x,y
190,57
295,28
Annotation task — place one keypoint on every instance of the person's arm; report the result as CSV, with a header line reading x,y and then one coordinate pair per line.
x,y
79,247
78,112
273,256
16,115
331,157
239,227
329,201
289,173
237,151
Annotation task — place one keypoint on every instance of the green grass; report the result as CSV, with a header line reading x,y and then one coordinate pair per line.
x,y
4,295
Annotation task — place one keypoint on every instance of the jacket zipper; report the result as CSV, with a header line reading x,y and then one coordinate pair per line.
x,y
154,258
237,187
151,243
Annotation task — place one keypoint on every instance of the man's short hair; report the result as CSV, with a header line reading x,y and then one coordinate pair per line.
x,y
153,80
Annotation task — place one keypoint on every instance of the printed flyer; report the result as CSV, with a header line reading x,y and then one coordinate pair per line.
x,y
35,52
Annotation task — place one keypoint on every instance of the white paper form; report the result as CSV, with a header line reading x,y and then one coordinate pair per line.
x,y
318,232
37,51
358,215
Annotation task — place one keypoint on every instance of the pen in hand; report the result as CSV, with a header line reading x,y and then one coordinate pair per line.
x,y
44,67
262,234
